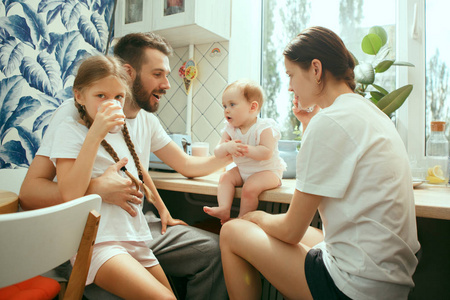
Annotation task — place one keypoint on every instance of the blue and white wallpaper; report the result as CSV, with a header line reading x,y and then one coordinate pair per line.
x,y
41,42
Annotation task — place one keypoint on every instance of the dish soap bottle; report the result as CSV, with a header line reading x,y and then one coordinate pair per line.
x,y
437,154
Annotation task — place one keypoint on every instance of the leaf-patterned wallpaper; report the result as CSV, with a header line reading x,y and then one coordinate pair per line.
x,y
41,42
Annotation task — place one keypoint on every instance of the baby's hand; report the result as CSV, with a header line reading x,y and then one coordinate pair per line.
x,y
236,148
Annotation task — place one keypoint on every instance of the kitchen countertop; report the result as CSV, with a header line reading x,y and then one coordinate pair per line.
x,y
431,201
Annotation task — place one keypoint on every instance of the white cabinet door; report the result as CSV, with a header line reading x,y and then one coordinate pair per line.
x,y
169,14
184,22
181,22
132,16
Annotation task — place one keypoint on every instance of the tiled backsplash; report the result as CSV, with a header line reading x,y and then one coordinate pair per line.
x,y
207,111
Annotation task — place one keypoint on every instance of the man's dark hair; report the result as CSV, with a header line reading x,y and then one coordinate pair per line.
x,y
130,48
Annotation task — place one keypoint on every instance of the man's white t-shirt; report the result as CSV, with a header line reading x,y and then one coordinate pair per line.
x,y
352,155
64,140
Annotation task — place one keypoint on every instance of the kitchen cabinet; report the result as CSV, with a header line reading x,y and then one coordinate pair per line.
x,y
181,22
131,16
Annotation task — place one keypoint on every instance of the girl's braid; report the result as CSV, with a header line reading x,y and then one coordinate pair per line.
x,y
114,155
83,114
130,146
137,162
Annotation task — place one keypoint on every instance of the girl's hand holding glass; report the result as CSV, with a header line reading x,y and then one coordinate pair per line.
x,y
110,116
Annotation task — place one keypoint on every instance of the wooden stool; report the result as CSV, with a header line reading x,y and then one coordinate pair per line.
x,y
9,202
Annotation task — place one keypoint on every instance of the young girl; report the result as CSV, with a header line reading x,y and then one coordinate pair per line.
x,y
253,144
122,263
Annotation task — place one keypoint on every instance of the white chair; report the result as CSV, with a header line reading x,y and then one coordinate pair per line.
x,y
34,242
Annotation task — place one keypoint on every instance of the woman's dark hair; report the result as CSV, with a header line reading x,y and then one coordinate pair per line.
x,y
322,44
131,47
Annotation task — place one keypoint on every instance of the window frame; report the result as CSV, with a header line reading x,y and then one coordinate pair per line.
x,y
410,45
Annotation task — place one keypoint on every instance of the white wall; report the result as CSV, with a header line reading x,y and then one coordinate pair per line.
x,y
207,112
245,42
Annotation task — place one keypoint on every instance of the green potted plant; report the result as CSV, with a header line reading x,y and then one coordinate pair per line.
x,y
374,43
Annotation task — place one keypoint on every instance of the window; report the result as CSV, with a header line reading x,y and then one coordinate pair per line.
x,y
283,20
410,38
437,63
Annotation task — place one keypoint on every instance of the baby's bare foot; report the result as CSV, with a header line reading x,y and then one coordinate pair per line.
x,y
217,212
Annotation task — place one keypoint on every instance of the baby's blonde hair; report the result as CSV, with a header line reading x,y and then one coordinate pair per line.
x,y
252,90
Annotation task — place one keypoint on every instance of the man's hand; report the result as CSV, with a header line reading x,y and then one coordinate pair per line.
x,y
115,189
167,220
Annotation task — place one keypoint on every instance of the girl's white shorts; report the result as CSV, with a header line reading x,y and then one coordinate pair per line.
x,y
104,251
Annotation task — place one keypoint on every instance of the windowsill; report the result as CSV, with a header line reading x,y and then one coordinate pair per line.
x,y
431,201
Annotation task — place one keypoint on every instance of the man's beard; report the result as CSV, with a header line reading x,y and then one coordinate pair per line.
x,y
142,97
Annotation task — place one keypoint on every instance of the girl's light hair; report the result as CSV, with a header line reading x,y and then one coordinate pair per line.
x,y
98,67
252,90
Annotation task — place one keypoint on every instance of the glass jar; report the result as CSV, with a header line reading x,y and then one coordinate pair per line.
x,y
437,154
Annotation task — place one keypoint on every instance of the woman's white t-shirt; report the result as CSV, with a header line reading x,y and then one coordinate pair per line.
x,y
352,155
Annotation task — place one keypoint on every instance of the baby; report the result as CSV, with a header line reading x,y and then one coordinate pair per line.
x,y
253,143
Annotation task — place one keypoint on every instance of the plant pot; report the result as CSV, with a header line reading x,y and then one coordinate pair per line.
x,y
288,152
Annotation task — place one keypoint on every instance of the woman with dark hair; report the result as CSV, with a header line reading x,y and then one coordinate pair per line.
x,y
353,168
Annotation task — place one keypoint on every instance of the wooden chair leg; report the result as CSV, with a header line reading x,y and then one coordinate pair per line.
x,y
62,291
77,280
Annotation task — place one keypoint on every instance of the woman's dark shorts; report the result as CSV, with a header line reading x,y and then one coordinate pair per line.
x,y
319,280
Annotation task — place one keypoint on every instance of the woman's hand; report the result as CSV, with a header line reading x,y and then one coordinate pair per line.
x,y
167,220
304,116
254,216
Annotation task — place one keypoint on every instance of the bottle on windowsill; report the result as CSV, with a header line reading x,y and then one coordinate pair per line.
x,y
437,154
